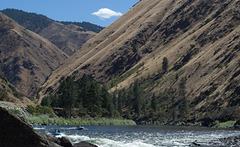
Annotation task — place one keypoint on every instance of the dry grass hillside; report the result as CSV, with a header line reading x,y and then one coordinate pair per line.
x,y
26,59
200,39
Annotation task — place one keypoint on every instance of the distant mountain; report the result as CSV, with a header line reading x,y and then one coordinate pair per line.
x,y
68,36
198,41
26,58
30,21
86,26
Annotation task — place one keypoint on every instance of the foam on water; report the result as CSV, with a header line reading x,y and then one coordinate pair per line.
x,y
39,128
103,142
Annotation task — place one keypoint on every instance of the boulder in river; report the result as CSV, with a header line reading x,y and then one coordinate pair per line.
x,y
84,144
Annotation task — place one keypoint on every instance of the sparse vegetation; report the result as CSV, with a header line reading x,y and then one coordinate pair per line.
x,y
15,112
221,65
126,75
39,110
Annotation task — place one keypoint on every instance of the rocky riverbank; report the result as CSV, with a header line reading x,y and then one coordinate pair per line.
x,y
15,132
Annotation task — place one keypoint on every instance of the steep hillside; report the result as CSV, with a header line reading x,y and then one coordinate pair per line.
x,y
68,36
26,59
9,93
199,38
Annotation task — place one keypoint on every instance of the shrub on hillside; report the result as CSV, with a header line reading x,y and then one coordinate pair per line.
x,y
3,94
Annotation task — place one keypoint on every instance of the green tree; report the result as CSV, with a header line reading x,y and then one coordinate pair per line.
x,y
137,97
83,89
3,94
94,100
46,101
184,105
67,95
107,103
55,100
134,48
154,102
120,101
165,65
115,103
182,87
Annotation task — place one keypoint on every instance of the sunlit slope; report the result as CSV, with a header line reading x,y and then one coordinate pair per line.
x,y
200,39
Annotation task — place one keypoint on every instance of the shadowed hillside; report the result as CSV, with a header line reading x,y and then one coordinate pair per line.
x,y
199,39
10,94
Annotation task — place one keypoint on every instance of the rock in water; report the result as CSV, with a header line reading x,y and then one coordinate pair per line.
x,y
65,142
84,144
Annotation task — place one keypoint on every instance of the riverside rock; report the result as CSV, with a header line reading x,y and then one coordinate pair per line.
x,y
84,144
16,133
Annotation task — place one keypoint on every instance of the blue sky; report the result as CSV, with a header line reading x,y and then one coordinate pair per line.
x,y
99,12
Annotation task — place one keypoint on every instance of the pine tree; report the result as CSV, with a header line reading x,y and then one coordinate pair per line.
x,y
55,100
184,105
46,101
182,87
94,100
120,101
107,102
137,97
83,89
154,102
115,102
165,65
67,95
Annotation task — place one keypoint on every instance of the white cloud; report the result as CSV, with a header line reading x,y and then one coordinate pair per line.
x,y
105,13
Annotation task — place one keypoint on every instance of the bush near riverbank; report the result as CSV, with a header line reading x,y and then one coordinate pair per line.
x,y
44,119
44,115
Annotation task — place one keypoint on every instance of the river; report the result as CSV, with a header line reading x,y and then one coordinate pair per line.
x,y
142,136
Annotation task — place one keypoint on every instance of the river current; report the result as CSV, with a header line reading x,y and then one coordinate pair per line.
x,y
142,136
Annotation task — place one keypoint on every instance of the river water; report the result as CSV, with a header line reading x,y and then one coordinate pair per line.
x,y
142,136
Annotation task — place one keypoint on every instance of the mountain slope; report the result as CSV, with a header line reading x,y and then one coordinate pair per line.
x,y
9,93
26,58
68,36
200,39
